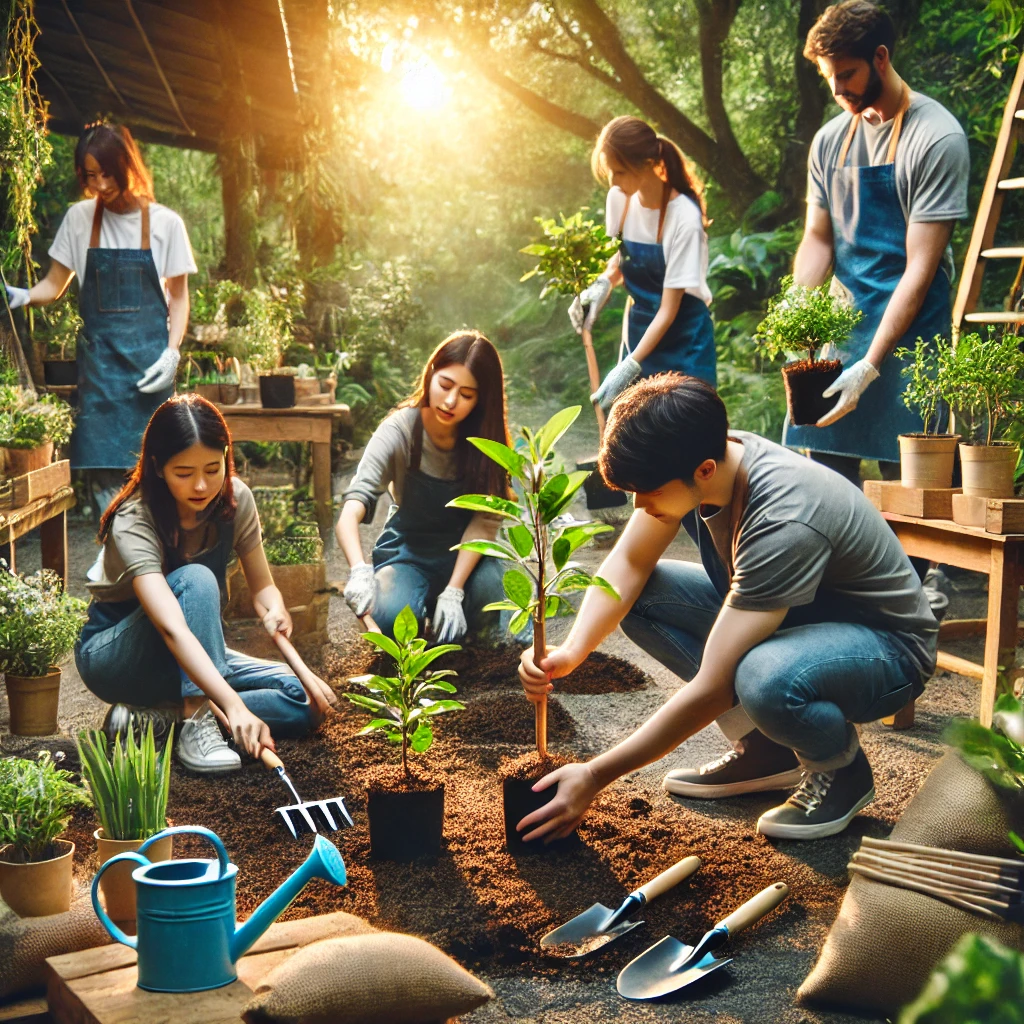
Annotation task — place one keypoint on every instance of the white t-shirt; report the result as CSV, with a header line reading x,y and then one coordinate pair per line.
x,y
168,238
683,238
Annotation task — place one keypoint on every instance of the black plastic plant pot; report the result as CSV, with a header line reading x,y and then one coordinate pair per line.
x,y
805,381
405,825
519,800
277,391
60,372
599,494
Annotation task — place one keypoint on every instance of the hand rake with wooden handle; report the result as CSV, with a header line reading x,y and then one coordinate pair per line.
x,y
311,815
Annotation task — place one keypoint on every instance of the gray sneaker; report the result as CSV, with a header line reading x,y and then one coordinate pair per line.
x,y
122,717
202,747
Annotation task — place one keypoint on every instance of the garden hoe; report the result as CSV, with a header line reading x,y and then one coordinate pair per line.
x,y
670,965
330,815
599,925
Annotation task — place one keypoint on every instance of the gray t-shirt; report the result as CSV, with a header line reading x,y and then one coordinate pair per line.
x,y
932,163
133,546
809,535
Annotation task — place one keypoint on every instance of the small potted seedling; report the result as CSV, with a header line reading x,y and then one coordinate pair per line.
x,y
806,320
36,798
60,367
926,459
536,589
406,811
129,783
983,381
30,428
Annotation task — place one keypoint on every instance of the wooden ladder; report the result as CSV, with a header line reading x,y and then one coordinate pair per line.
x,y
980,250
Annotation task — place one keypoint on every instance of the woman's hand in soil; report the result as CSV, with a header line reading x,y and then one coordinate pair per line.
x,y
250,733
577,787
536,679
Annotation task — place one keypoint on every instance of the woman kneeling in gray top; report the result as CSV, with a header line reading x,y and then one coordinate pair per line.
x,y
421,455
153,644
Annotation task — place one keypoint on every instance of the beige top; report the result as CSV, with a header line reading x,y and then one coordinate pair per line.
x,y
133,546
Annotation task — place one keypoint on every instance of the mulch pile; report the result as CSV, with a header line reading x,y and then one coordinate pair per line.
x,y
476,901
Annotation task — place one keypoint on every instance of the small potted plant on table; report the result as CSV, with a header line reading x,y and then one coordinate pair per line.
x,y
60,367
129,783
926,459
35,863
30,427
533,591
39,624
406,812
807,320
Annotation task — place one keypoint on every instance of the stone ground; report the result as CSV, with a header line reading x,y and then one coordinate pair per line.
x,y
760,985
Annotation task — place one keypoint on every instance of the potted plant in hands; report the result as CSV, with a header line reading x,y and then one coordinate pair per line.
x,y
806,320
983,381
129,783
35,863
30,427
39,624
406,813
533,591
926,459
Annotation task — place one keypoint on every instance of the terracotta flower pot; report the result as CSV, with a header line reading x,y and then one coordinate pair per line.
x,y
405,825
277,391
988,469
305,386
228,394
805,381
116,885
926,460
41,887
211,392
23,460
33,703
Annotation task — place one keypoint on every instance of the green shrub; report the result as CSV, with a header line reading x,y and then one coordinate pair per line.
x,y
924,375
27,421
39,621
290,532
571,253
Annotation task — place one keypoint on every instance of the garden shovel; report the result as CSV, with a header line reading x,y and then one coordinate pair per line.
x,y
670,965
600,925
309,816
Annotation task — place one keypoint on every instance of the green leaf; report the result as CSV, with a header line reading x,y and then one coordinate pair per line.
x,y
577,536
487,547
501,606
518,588
377,723
549,434
521,539
385,643
487,503
406,626
366,702
436,686
418,664
519,622
558,492
560,552
422,738
535,249
600,581
497,452
439,707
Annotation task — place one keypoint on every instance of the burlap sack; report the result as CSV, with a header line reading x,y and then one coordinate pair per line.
x,y
25,942
381,978
886,940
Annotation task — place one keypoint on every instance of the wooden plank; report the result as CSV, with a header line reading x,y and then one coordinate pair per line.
x,y
961,666
918,502
19,522
53,545
41,483
1001,640
969,510
948,526
1004,515
268,428
949,544
26,1011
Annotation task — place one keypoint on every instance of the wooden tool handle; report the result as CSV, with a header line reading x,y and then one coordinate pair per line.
x,y
540,709
933,871
669,878
319,693
755,908
270,759
902,882
594,373
950,855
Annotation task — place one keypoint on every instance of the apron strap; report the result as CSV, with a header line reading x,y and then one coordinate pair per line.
x,y
666,191
622,223
144,203
97,220
894,136
416,452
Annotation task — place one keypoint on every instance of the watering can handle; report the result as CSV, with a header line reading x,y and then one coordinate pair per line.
x,y
128,940
177,830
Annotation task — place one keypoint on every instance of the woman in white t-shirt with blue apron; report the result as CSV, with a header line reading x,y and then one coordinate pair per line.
x,y
132,258
655,208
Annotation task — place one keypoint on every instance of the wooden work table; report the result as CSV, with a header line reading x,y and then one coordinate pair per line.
x,y
50,515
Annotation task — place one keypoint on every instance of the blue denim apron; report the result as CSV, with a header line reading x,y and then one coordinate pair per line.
x,y
422,530
124,312
688,346
870,233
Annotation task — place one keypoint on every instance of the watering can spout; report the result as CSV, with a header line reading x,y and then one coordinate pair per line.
x,y
324,861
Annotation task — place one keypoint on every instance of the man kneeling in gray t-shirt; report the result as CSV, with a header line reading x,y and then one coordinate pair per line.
x,y
804,617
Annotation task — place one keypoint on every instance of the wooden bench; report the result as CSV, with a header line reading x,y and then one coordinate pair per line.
x,y
50,515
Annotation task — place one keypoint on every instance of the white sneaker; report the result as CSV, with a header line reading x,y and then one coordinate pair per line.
x,y
202,747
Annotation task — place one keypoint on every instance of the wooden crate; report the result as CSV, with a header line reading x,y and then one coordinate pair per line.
x,y
314,399
98,986
921,502
39,483
1004,515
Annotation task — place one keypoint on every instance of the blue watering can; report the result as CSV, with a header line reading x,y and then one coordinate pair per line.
x,y
187,940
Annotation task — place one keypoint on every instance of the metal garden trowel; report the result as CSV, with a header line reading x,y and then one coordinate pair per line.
x,y
599,925
670,965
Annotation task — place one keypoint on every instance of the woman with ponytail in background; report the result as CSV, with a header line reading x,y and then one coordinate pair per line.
x,y
655,208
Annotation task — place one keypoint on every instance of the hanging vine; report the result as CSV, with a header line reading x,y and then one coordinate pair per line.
x,y
25,150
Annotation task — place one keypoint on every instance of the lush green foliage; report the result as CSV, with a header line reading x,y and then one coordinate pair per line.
x,y
980,981
404,704
290,532
571,254
36,800
129,781
529,541
983,380
27,421
924,388
39,621
804,319
59,326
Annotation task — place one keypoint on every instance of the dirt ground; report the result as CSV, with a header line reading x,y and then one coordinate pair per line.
x,y
489,909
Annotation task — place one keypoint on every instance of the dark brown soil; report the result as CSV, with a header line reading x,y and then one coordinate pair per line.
x,y
391,779
530,767
504,718
804,382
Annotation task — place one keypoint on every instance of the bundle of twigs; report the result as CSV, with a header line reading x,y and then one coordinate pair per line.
x,y
990,886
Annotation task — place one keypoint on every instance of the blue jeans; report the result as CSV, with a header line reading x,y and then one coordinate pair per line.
x,y
803,686
130,663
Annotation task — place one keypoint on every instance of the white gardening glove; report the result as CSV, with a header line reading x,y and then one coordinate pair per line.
x,y
161,374
594,299
361,589
17,297
616,382
850,385
449,619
